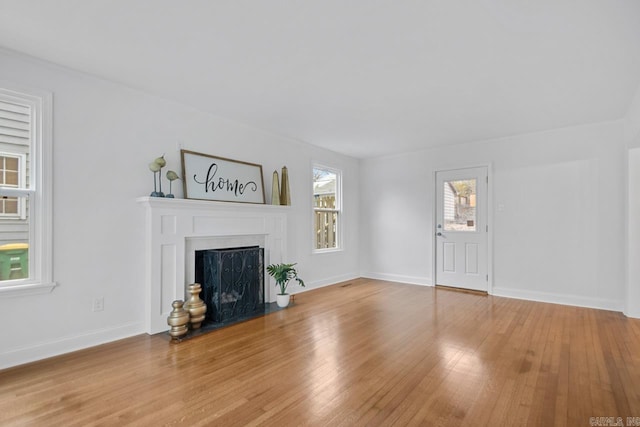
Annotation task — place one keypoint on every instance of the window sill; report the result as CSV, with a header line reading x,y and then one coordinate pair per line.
x,y
326,251
10,291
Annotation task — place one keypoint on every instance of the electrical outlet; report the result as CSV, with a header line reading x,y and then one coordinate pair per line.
x,y
98,304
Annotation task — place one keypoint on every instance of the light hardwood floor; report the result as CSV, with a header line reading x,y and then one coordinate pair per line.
x,y
364,352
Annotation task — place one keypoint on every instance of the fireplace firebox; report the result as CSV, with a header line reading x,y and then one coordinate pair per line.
x,y
232,282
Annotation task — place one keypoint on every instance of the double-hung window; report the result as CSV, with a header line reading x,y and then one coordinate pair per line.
x,y
25,191
327,208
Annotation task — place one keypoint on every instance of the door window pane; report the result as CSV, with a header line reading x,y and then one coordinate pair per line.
x,y
460,205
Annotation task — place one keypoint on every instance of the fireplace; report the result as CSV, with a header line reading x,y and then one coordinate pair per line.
x,y
232,282
177,228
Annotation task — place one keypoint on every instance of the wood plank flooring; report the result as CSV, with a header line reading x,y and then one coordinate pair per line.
x,y
365,352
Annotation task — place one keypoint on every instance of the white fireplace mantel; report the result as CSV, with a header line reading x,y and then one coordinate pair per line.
x,y
175,228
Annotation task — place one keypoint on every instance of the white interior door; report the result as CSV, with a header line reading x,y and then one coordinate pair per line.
x,y
461,228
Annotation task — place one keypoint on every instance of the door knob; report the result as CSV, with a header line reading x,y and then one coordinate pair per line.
x,y
439,234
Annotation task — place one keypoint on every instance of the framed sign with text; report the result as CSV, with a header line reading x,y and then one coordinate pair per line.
x,y
216,178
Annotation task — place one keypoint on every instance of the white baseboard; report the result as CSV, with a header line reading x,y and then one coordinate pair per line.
x,y
412,280
325,282
68,344
635,314
575,300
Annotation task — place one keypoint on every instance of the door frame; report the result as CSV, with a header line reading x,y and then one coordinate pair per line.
x,y
490,222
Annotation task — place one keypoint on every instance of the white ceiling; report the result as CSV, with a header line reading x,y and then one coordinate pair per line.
x,y
361,77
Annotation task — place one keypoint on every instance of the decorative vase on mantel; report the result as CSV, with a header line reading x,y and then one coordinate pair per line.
x,y
275,189
178,320
195,306
285,192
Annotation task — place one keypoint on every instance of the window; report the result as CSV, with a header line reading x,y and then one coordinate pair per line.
x,y
25,191
326,208
460,205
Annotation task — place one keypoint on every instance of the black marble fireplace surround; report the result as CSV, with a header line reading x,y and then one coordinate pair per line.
x,y
232,282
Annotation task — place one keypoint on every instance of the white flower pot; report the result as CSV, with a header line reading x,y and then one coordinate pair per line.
x,y
282,300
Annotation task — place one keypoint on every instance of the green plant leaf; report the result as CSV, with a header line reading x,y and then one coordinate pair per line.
x,y
283,274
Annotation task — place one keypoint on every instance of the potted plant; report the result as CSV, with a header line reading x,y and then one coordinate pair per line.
x,y
283,274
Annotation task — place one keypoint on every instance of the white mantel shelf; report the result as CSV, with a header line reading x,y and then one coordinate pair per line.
x,y
175,228
168,203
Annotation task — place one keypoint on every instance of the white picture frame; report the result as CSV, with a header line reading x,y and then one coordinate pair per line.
x,y
207,177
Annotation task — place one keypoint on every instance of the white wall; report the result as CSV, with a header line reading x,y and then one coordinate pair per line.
x,y
632,306
632,122
632,138
559,238
104,136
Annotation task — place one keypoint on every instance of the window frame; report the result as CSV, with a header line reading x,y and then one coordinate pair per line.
x,y
38,192
338,210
